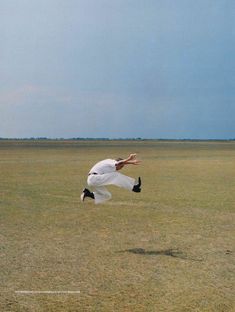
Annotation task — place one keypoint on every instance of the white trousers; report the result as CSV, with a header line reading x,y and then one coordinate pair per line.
x,y
98,182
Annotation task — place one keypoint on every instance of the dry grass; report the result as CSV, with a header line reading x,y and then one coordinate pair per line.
x,y
169,248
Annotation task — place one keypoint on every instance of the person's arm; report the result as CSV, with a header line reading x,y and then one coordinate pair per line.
x,y
130,160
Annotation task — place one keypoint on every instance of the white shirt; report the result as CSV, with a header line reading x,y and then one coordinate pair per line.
x,y
104,166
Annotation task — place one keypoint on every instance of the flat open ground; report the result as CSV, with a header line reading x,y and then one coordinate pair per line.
x,y
169,248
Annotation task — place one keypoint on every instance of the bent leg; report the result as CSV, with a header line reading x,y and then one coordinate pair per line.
x,y
113,178
98,182
101,194
123,181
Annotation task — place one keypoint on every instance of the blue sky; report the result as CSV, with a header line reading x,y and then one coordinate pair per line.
x,y
117,68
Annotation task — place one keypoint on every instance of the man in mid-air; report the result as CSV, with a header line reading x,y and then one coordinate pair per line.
x,y
105,173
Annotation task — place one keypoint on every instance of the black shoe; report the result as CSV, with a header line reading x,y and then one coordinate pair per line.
x,y
136,187
86,193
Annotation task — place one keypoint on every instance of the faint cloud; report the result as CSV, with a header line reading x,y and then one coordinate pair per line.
x,y
32,94
18,95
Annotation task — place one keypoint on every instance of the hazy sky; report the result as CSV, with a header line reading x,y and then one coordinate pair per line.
x,y
117,68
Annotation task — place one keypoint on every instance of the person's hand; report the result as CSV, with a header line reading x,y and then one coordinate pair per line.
x,y
132,156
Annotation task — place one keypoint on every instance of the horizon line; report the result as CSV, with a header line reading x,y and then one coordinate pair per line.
x,y
111,139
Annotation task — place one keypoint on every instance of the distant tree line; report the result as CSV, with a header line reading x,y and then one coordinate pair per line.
x,y
109,139
71,139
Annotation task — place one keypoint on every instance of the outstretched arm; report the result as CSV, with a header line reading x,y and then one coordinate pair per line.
x,y
131,159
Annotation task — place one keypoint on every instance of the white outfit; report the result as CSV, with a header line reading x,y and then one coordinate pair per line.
x,y
105,173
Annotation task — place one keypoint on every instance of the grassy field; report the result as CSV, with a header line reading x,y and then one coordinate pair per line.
x,y
168,248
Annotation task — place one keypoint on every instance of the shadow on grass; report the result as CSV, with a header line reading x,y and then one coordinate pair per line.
x,y
175,253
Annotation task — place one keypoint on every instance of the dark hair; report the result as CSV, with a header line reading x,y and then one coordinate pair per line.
x,y
118,159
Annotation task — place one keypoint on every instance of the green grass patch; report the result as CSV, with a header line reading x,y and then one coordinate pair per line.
x,y
168,248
